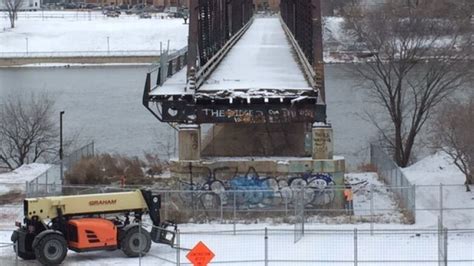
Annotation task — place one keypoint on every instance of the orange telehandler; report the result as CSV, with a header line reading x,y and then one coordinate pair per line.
x,y
52,225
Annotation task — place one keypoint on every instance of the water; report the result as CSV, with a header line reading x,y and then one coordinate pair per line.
x,y
104,104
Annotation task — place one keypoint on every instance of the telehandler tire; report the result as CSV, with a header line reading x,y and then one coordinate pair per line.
x,y
136,242
51,249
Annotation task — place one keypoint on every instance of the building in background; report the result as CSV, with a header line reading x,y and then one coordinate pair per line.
x,y
267,4
25,5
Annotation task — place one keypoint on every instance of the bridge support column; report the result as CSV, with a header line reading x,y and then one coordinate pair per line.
x,y
323,144
189,142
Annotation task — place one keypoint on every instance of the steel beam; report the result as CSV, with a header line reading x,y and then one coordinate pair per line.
x,y
303,19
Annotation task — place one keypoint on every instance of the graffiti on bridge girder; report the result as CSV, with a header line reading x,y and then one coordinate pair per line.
x,y
257,115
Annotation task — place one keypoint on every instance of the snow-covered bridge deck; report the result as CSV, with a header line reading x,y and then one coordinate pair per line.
x,y
262,59
262,63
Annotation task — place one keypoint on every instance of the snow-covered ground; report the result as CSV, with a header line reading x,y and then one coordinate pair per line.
x,y
15,180
394,242
428,174
58,32
61,32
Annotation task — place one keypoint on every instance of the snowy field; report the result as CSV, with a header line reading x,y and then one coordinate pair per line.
x,y
59,32
83,32
247,248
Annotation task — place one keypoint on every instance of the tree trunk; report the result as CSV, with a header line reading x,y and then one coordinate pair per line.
x,y
468,182
398,156
12,21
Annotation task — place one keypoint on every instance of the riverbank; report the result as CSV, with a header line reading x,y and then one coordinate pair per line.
x,y
78,60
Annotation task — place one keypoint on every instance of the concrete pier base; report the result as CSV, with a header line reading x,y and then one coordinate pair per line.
x,y
189,143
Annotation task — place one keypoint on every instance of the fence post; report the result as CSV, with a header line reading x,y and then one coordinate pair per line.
x,y
235,213
372,218
355,247
46,183
441,204
178,247
222,206
413,198
166,205
266,246
445,246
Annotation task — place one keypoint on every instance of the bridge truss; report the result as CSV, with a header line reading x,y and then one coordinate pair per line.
x,y
175,94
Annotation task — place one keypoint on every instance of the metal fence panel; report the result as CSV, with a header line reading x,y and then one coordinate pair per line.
x,y
50,182
299,214
394,177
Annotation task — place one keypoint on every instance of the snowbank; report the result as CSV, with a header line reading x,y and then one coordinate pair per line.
x,y
16,179
428,174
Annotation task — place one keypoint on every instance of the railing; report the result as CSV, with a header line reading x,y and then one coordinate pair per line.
x,y
105,53
227,221
394,177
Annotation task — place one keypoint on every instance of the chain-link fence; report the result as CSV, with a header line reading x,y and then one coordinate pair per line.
x,y
270,246
324,247
389,171
50,182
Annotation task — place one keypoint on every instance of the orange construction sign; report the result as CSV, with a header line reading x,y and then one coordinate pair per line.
x,y
200,255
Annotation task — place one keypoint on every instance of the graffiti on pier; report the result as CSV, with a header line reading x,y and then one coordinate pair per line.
x,y
251,190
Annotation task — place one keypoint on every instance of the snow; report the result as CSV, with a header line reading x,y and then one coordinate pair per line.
x,y
261,59
66,32
396,242
428,174
175,85
24,173
16,179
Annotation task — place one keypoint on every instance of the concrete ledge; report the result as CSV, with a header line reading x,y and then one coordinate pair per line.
x,y
275,166
18,61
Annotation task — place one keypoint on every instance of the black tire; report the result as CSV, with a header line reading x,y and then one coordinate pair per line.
x,y
51,249
136,242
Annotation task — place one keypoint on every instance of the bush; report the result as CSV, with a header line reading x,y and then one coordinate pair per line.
x,y
106,169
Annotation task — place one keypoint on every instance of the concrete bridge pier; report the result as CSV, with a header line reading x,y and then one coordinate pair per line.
x,y
189,142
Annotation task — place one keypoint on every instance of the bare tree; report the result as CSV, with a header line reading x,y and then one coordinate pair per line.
x,y
13,6
419,59
454,134
27,130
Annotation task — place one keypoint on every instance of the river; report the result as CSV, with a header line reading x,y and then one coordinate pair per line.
x,y
104,104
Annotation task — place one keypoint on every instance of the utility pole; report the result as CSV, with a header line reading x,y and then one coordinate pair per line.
x,y
318,57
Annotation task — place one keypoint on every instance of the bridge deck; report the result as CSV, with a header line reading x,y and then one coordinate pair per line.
x,y
262,59
262,63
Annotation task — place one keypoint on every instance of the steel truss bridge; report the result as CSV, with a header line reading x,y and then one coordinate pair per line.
x,y
243,68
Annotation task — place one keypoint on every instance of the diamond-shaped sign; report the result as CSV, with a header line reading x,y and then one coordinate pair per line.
x,y
200,255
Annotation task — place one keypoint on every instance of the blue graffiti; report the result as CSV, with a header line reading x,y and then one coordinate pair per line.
x,y
252,191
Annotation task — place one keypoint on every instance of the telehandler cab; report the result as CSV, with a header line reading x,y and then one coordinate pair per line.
x,y
52,225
